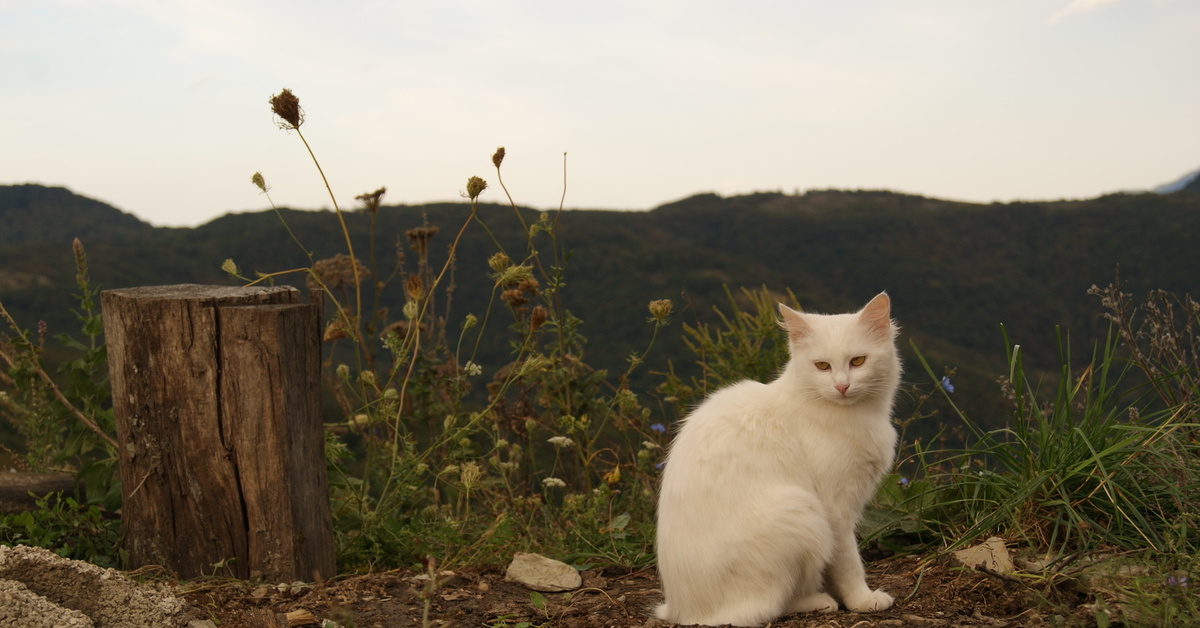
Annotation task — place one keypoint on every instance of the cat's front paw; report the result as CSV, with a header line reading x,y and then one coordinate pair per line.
x,y
872,602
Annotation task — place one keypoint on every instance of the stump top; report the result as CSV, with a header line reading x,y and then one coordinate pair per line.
x,y
192,291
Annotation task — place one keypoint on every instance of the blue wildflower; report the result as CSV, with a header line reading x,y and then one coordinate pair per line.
x,y
1177,581
903,481
659,427
661,465
946,385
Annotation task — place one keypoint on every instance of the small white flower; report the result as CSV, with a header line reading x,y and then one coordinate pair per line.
x,y
472,368
553,483
649,445
560,441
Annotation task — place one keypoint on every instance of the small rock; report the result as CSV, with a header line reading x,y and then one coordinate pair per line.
x,y
542,574
992,554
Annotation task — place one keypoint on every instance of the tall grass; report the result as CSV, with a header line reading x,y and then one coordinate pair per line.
x,y
554,454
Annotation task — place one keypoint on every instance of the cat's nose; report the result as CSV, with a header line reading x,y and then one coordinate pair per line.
x,y
842,388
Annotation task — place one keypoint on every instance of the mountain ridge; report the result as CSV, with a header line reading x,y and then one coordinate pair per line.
x,y
956,271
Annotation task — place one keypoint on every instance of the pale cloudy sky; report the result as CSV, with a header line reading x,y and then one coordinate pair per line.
x,y
160,107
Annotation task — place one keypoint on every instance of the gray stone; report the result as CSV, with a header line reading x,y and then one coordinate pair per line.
x,y
542,574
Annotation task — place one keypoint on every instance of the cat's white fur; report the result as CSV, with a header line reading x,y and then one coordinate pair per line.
x,y
765,483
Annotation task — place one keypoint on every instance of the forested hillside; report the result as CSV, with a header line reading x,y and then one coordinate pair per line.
x,y
956,271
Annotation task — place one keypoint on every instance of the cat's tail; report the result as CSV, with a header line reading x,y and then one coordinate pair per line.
x,y
662,613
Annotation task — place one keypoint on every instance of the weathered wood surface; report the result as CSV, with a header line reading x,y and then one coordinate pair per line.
x,y
201,427
17,489
271,360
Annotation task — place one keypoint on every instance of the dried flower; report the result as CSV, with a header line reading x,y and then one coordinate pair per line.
x,y
614,476
336,272
81,265
229,267
553,483
498,156
419,237
414,287
259,182
370,200
560,441
336,329
475,187
513,275
286,106
470,474
513,298
529,285
660,309
537,317
498,262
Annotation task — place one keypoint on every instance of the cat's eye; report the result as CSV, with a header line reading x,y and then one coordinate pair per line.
x,y
821,366
858,360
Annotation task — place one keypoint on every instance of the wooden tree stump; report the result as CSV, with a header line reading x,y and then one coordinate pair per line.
x,y
221,446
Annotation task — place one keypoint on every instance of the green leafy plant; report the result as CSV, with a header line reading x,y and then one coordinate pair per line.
x,y
68,528
65,418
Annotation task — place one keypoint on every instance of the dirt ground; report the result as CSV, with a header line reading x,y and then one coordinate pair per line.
x,y
928,594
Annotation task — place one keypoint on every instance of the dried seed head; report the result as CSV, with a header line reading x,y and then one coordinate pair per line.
x,y
513,298
81,265
660,310
475,187
529,286
414,287
498,156
336,272
537,317
498,262
286,106
259,182
370,200
419,237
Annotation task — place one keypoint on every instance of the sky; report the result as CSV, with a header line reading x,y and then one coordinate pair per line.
x,y
160,107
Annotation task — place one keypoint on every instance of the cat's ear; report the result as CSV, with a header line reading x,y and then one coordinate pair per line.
x,y
877,316
794,323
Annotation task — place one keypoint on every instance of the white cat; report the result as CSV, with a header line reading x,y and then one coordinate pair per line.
x,y
765,483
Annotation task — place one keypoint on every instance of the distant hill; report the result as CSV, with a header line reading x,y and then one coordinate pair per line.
x,y
1188,183
956,271
35,213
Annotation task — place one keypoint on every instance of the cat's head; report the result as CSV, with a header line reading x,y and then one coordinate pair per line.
x,y
844,358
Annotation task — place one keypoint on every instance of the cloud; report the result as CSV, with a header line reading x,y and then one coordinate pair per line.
x,y
1079,7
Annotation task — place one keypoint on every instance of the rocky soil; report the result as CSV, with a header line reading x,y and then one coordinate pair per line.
x,y
39,589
